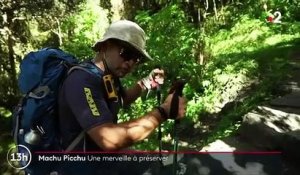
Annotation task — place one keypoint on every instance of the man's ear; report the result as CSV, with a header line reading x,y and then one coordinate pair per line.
x,y
103,47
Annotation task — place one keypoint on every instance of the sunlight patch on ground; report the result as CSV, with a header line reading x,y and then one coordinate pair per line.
x,y
276,39
229,162
218,146
280,121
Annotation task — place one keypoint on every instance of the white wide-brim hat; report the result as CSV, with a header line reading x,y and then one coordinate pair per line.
x,y
128,32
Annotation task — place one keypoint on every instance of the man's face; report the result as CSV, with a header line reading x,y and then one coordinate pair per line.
x,y
121,59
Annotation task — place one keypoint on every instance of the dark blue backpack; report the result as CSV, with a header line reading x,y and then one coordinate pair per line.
x,y
35,118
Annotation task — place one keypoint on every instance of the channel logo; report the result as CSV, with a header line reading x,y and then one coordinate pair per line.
x,y
19,157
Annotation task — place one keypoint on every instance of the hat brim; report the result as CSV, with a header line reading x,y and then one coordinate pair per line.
x,y
144,53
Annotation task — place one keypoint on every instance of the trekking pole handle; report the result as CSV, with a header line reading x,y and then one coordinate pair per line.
x,y
158,94
177,89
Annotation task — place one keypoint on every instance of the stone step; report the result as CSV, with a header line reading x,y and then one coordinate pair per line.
x,y
230,144
276,119
289,100
236,144
267,129
290,87
272,129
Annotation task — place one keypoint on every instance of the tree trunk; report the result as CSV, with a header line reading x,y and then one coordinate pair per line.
x,y
215,9
58,32
10,43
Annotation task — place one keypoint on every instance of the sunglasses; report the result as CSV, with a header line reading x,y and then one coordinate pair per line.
x,y
129,54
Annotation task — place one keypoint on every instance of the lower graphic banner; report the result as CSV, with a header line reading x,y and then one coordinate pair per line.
x,y
154,163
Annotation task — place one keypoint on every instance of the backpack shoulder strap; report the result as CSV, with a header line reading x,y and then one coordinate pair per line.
x,y
87,67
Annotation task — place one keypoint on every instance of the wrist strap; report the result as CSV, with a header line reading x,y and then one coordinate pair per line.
x,y
162,112
141,84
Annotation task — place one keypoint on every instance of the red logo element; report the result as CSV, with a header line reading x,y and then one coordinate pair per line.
x,y
270,18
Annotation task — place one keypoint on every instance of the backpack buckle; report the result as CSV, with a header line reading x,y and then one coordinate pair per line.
x,y
39,92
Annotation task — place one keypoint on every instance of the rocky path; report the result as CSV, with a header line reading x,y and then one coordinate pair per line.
x,y
272,127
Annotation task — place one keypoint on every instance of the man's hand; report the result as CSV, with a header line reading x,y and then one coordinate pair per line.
x,y
153,80
181,106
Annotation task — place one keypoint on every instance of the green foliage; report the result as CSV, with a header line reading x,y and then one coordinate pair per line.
x,y
83,29
171,41
26,26
246,52
254,52
243,53
4,112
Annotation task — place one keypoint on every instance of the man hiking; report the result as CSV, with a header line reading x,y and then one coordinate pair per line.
x,y
89,104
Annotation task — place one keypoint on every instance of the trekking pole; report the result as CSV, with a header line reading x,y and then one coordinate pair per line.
x,y
158,97
177,89
175,140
